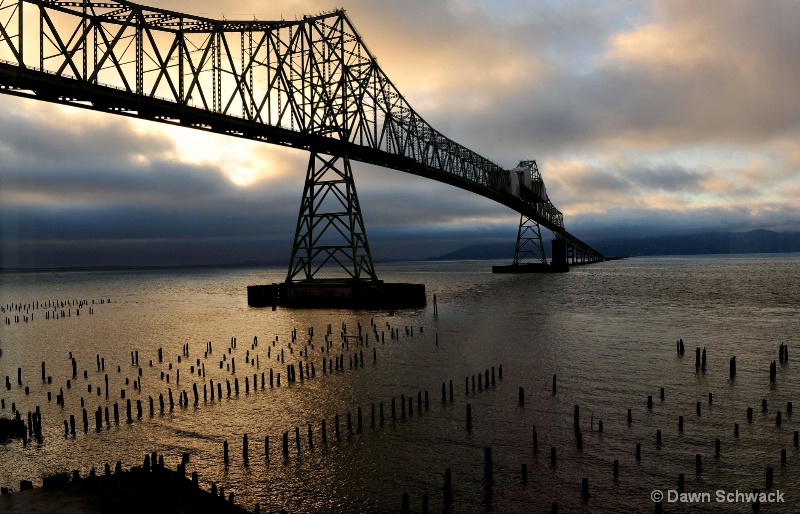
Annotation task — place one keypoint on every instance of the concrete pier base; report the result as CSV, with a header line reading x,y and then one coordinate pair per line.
x,y
347,294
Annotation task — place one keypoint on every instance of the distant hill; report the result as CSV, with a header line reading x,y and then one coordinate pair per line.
x,y
484,251
755,241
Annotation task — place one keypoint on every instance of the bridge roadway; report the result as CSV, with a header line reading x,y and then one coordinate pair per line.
x,y
324,91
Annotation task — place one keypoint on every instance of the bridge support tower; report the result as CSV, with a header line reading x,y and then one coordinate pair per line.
x,y
330,228
529,256
331,240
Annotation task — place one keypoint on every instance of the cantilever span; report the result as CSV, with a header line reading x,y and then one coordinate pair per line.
x,y
309,83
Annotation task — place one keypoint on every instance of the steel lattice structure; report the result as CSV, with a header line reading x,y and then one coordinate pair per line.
x,y
330,228
309,83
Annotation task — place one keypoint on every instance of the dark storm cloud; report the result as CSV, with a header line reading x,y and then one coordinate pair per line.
x,y
668,178
34,133
626,178
53,158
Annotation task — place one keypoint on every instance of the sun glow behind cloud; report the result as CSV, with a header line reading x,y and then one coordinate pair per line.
x,y
241,161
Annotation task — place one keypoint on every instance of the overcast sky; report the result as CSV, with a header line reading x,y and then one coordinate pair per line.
x,y
646,118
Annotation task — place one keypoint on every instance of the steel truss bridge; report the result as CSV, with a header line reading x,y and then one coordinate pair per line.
x,y
309,83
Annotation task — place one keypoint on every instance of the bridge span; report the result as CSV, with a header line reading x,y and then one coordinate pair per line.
x,y
309,83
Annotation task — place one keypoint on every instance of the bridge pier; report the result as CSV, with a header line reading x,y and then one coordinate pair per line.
x,y
331,237
529,256
330,228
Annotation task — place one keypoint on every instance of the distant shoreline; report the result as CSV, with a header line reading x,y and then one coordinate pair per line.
x,y
431,260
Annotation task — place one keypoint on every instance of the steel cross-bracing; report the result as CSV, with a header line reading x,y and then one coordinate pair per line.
x,y
330,228
308,83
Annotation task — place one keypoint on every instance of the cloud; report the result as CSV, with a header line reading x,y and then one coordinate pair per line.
x,y
657,116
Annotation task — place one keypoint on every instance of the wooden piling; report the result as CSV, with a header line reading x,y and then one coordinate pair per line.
x,y
448,488
487,463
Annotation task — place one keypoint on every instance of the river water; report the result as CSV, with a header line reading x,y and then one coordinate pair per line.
x,y
607,331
